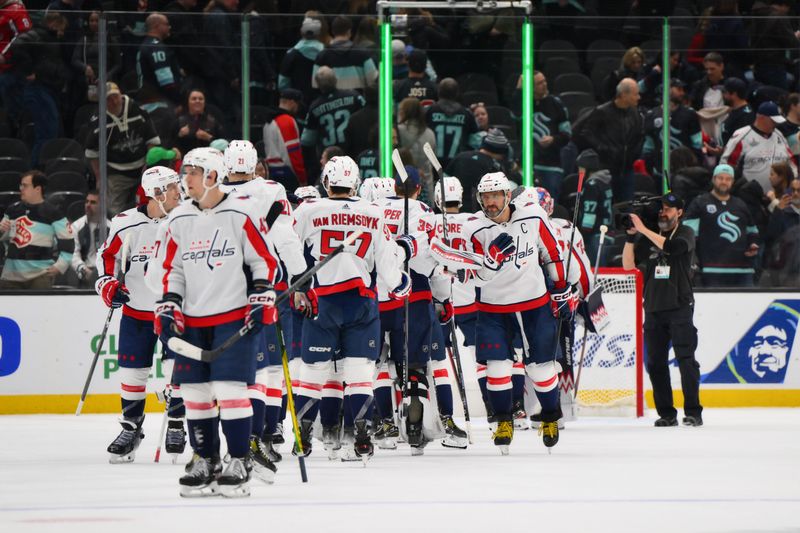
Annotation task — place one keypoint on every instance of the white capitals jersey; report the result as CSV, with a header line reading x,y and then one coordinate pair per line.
x,y
421,225
324,223
519,283
206,253
282,239
463,293
141,249
580,269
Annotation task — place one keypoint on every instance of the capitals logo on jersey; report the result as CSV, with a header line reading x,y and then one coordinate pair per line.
x,y
212,251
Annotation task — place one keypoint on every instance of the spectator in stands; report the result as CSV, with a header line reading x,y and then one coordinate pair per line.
x,y
86,57
35,232
726,33
615,131
356,134
132,28
453,124
470,166
14,21
782,238
86,231
328,116
596,201
707,91
282,141
130,135
688,179
633,66
771,37
779,196
684,130
726,237
399,60
414,133
734,93
417,84
353,66
754,149
197,127
185,35
366,36
551,132
156,63
298,63
791,128
222,33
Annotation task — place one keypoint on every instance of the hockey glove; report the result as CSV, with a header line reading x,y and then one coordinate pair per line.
x,y
306,303
169,320
564,302
114,293
261,308
408,244
444,311
403,289
500,249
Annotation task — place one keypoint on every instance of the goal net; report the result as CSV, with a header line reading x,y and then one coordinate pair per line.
x,y
611,378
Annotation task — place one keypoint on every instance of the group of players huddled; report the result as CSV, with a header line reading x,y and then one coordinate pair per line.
x,y
203,267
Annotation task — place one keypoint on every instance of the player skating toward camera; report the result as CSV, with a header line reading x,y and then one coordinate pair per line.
x,y
514,300
343,319
138,228
211,241
266,393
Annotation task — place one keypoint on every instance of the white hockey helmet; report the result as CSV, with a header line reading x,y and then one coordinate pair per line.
x,y
524,196
241,157
493,182
341,171
544,200
156,180
307,193
453,191
374,189
209,159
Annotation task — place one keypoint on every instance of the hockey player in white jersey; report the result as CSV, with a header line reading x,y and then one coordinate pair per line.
x,y
514,300
212,240
266,393
137,341
375,189
347,326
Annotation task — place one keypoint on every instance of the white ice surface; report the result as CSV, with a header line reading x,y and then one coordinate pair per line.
x,y
738,473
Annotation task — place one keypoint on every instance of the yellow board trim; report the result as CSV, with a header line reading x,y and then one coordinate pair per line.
x,y
738,398
67,403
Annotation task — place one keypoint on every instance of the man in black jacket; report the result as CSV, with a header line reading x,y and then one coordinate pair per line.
x,y
615,131
707,91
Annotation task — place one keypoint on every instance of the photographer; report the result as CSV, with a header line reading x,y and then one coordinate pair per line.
x,y
668,306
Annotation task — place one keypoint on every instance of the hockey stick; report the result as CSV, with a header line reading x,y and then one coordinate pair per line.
x,y
401,171
581,174
437,169
167,399
186,349
603,230
123,265
290,400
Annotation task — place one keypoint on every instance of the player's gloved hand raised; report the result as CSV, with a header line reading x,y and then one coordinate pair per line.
x,y
261,308
169,320
403,289
408,244
306,303
500,249
564,302
114,293
444,311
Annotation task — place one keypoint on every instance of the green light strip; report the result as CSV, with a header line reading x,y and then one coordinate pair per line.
x,y
385,102
527,103
665,82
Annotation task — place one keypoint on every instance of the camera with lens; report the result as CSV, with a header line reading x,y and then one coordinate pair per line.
x,y
646,207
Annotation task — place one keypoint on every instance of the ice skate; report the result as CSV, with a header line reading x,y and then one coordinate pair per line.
x,y
348,451
123,448
363,445
520,417
503,434
386,435
331,440
263,467
306,426
272,452
175,442
277,437
549,433
234,481
414,423
456,437
200,479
